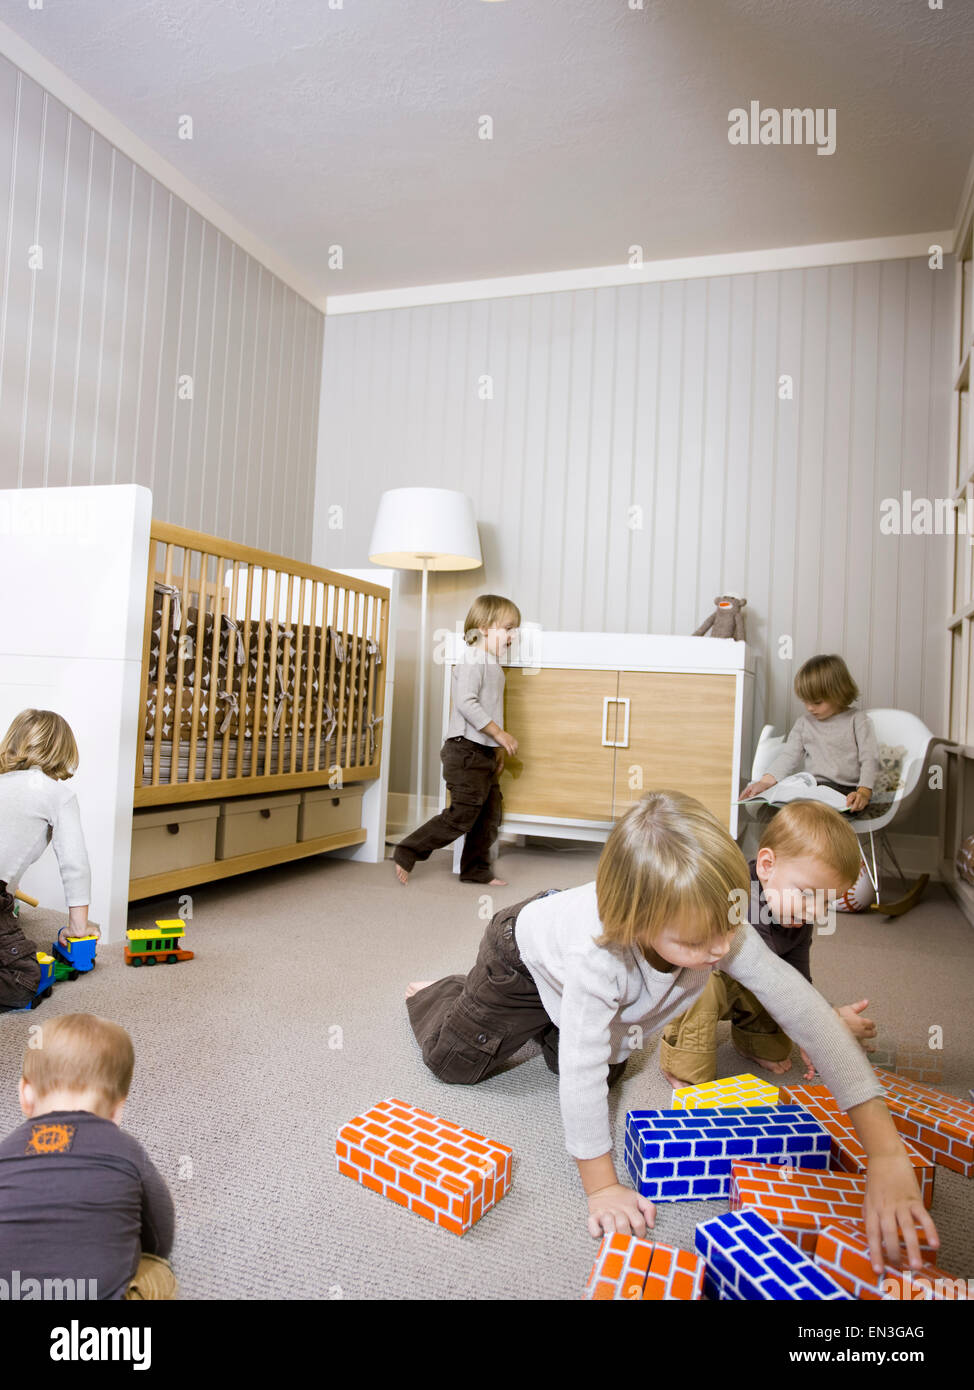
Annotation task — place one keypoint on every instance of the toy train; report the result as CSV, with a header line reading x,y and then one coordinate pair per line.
x,y
63,963
152,945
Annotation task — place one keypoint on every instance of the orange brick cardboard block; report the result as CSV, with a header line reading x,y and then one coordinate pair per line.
x,y
635,1268
842,1250
431,1166
801,1202
938,1124
848,1153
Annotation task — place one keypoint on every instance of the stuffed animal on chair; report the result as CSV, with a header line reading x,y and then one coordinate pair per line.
x,y
727,619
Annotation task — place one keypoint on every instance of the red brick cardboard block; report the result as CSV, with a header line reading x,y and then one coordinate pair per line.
x,y
801,1202
448,1175
938,1124
842,1250
634,1268
848,1153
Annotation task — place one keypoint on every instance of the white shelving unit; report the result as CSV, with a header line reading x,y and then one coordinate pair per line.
x,y
959,698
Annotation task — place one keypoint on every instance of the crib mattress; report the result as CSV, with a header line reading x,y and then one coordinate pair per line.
x,y
355,752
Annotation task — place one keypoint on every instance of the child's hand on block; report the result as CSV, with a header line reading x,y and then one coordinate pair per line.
x,y
892,1206
619,1208
860,1028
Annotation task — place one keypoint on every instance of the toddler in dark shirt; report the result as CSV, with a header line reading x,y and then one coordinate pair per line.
x,y
807,852
83,1211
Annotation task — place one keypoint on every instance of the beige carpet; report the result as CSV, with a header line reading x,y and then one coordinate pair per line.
x,y
239,1089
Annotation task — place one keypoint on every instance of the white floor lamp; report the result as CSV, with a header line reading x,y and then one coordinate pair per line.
x,y
424,528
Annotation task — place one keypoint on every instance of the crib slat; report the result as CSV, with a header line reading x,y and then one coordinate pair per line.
x,y
359,651
272,675
340,702
161,669
180,671
214,664
201,605
298,652
234,727
314,665
259,682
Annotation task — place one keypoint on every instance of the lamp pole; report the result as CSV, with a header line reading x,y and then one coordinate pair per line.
x,y
422,688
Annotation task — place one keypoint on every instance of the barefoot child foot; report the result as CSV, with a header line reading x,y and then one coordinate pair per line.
x,y
497,883
402,874
675,1081
416,986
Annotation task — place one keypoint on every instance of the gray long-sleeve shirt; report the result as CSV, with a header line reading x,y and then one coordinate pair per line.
x,y
37,810
608,1001
80,1199
841,748
477,696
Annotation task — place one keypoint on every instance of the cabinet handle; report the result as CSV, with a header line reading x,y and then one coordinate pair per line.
x,y
265,813
619,742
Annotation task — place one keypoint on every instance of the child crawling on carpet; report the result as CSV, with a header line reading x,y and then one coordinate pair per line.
x,y
807,852
590,971
81,1203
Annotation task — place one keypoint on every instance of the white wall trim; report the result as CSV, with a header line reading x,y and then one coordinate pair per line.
x,y
689,268
965,210
59,85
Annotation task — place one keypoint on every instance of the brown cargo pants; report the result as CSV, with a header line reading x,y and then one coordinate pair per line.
x,y
468,1025
470,773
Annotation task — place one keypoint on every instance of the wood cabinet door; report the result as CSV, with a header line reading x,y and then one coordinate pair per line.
x,y
562,768
680,738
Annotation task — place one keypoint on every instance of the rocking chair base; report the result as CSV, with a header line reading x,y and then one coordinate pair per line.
x,y
903,904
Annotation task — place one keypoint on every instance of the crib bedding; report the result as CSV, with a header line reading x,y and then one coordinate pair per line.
x,y
290,693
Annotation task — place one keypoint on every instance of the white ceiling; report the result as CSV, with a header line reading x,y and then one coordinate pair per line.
x,y
358,125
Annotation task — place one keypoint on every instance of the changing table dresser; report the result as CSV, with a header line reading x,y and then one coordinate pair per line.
x,y
601,718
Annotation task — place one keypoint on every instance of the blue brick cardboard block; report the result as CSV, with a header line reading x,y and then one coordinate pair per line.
x,y
686,1155
747,1259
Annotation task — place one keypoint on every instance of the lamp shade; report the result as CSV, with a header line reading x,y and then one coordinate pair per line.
x,y
431,523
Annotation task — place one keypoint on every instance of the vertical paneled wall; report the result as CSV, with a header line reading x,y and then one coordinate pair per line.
x,y
138,344
561,413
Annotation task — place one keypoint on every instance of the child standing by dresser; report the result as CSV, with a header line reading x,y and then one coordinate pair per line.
x,y
38,755
473,754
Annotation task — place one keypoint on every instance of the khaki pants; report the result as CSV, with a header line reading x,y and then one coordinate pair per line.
x,y
154,1280
689,1045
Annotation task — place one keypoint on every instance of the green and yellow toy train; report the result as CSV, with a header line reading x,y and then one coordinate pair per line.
x,y
161,943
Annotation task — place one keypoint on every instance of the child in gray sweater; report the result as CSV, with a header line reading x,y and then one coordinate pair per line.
x,y
38,756
837,742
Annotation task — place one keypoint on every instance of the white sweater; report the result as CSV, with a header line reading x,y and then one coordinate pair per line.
x,y
36,810
608,1001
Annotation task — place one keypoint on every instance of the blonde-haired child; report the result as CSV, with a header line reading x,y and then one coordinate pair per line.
x,y
837,742
81,1199
587,970
806,853
473,753
38,755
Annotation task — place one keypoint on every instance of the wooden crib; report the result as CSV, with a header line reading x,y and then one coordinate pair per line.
x,y
262,700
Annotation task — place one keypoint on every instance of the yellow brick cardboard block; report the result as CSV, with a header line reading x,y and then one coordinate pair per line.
x,y
731,1090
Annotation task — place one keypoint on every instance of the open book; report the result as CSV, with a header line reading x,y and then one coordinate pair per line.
x,y
801,786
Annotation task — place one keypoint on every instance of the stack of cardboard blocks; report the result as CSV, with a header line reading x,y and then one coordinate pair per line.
x,y
939,1125
842,1250
748,1259
848,1154
686,1156
636,1268
448,1175
730,1090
